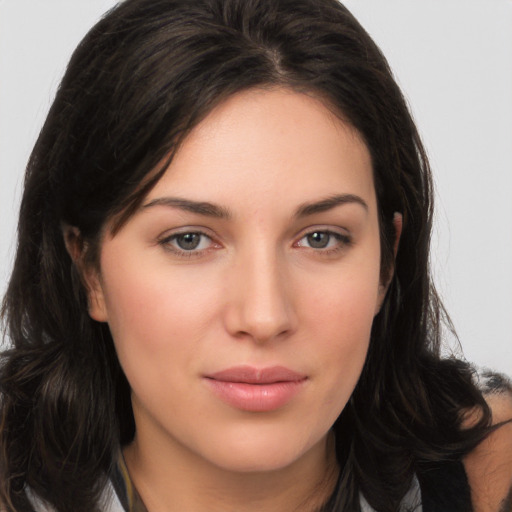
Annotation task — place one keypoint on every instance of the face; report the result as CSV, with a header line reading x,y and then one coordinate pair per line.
x,y
241,295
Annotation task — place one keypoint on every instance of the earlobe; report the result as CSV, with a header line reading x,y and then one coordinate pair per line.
x,y
89,276
96,297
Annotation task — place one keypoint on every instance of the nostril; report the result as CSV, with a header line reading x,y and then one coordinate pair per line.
x,y
259,322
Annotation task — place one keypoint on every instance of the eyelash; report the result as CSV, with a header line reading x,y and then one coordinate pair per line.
x,y
343,241
167,243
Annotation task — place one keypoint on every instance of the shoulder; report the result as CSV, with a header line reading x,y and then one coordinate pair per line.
x,y
489,465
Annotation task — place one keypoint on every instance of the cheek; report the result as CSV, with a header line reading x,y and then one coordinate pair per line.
x,y
340,316
344,325
158,316
149,296
343,302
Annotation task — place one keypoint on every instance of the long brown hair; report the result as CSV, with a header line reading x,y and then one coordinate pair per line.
x,y
140,80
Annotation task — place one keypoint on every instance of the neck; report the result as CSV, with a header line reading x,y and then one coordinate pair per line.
x,y
172,480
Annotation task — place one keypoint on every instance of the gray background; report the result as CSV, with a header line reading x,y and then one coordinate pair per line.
x,y
453,59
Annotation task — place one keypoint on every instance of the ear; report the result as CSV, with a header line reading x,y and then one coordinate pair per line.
x,y
398,224
89,275
383,286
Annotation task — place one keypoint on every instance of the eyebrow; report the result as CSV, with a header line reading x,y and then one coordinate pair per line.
x,y
328,204
199,207
212,210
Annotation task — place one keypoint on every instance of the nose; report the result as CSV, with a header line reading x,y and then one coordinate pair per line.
x,y
260,305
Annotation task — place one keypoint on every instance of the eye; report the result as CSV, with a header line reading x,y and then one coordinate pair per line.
x,y
187,242
319,239
324,240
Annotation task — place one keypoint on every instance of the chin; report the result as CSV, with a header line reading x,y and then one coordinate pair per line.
x,y
255,463
261,453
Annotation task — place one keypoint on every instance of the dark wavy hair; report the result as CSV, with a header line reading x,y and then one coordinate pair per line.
x,y
141,79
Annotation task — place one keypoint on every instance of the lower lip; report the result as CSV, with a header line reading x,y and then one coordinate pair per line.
x,y
256,397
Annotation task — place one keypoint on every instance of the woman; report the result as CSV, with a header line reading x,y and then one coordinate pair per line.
x,y
221,297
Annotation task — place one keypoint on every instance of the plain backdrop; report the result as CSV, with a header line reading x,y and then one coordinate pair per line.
x,y
453,59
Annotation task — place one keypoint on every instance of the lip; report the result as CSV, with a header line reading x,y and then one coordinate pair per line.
x,y
256,389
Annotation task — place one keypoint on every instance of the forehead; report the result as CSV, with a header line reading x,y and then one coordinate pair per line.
x,y
264,146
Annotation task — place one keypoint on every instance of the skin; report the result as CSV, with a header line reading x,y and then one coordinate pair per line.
x,y
255,292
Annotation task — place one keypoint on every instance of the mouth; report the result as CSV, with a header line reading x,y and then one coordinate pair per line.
x,y
256,389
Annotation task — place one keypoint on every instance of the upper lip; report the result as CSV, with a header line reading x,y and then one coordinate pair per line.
x,y
252,375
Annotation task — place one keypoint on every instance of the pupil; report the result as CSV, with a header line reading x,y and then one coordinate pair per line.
x,y
188,241
318,240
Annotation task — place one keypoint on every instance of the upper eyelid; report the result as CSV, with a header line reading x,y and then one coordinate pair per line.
x,y
335,234
170,235
336,230
200,230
